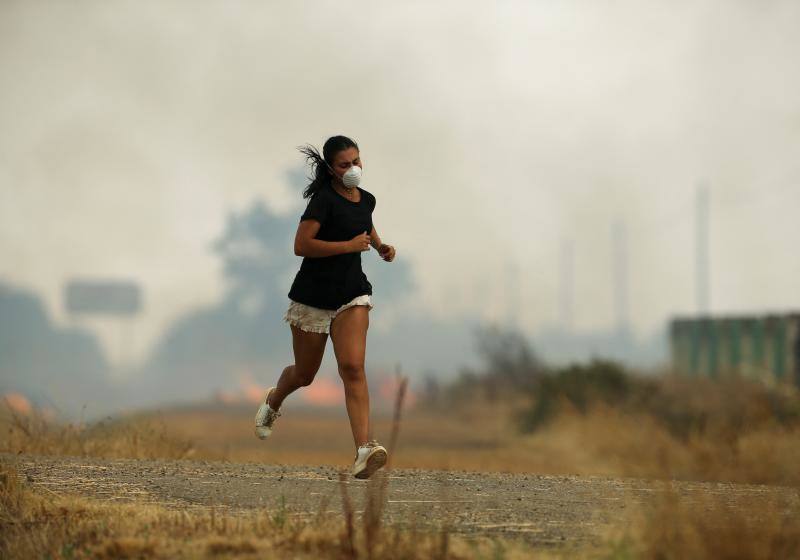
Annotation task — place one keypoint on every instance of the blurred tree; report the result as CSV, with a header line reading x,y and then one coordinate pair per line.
x,y
257,257
582,386
508,357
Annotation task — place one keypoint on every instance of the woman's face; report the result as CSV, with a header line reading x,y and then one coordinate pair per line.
x,y
343,161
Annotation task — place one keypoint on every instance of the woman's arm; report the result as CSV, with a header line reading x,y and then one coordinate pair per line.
x,y
306,244
375,239
385,251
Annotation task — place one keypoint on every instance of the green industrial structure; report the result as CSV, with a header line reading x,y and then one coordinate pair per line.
x,y
765,348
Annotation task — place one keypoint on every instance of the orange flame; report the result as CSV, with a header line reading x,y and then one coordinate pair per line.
x,y
251,391
323,392
18,403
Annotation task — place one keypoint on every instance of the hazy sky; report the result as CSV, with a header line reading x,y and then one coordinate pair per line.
x,y
489,132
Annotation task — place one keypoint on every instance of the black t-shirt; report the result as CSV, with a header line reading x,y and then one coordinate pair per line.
x,y
330,282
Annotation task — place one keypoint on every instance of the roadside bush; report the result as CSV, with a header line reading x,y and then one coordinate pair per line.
x,y
579,387
686,407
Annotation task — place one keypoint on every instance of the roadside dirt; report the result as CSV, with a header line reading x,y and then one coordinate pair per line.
x,y
561,511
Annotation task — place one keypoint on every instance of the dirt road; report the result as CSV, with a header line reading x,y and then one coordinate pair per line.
x,y
543,510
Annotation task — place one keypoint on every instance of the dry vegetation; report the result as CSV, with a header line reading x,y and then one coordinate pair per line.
x,y
598,419
732,441
590,420
49,525
702,527
36,525
595,419
129,438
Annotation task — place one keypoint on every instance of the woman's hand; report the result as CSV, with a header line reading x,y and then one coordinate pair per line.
x,y
360,242
386,252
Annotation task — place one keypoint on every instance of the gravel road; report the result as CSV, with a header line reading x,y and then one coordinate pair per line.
x,y
562,511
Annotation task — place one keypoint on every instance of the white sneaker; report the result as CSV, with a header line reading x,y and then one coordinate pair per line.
x,y
369,458
265,417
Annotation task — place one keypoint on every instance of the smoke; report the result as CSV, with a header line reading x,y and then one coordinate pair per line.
x,y
489,132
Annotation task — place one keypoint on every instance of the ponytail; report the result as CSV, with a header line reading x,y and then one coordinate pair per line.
x,y
320,176
320,163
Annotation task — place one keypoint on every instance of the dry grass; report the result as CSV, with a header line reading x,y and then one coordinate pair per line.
x,y
34,525
604,440
707,527
696,431
598,420
37,525
136,438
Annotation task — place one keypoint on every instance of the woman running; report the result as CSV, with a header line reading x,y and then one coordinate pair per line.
x,y
331,294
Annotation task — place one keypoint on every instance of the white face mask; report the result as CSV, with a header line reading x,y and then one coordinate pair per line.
x,y
352,177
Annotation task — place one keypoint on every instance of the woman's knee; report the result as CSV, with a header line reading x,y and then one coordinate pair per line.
x,y
304,377
351,371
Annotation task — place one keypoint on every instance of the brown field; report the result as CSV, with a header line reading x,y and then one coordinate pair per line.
x,y
605,441
742,440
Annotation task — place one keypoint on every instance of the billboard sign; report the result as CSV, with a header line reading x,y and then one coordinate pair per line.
x,y
102,297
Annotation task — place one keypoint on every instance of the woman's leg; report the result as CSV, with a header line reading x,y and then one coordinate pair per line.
x,y
349,336
309,348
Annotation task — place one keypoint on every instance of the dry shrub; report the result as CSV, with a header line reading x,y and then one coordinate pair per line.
x,y
135,438
685,406
607,441
704,526
767,456
599,419
723,409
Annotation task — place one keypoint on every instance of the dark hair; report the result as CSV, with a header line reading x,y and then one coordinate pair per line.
x,y
320,174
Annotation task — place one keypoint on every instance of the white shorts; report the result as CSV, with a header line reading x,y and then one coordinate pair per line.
x,y
314,319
